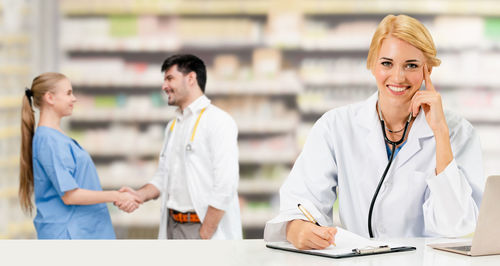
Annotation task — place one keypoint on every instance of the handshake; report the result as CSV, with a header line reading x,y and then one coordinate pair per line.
x,y
128,199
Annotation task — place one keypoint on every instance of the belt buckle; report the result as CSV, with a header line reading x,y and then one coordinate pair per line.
x,y
177,216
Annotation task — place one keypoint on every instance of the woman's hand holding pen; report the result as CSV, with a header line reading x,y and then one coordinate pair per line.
x,y
306,235
127,202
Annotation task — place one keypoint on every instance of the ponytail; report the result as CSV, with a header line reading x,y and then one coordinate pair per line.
x,y
33,97
26,163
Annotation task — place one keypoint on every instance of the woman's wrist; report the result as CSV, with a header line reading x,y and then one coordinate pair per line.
x,y
115,195
441,131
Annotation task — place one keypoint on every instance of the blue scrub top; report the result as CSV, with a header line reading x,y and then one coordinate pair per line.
x,y
60,164
389,150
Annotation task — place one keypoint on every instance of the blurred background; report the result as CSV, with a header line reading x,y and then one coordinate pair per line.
x,y
276,66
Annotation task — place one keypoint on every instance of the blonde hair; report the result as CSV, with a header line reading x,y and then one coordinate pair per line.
x,y
41,85
407,29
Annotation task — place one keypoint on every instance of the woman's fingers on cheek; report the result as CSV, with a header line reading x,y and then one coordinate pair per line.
x,y
415,106
412,103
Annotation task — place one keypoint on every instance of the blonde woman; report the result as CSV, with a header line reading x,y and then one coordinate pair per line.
x,y
70,203
403,166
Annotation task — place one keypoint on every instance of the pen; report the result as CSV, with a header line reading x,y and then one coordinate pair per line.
x,y
308,215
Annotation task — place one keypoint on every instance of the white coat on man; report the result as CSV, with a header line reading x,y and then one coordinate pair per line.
x,y
212,171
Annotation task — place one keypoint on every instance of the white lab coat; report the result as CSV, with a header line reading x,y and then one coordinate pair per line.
x,y
211,167
345,149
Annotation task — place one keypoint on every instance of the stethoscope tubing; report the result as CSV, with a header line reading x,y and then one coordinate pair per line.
x,y
394,144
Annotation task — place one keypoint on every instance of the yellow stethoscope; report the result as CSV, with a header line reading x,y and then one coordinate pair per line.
x,y
188,146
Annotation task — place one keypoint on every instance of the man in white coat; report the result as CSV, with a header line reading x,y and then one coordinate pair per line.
x,y
198,172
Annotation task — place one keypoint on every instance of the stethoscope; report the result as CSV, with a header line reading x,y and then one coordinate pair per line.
x,y
394,144
189,147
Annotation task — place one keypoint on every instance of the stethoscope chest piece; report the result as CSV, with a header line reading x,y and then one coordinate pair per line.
x,y
189,147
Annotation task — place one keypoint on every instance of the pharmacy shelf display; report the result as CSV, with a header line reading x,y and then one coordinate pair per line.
x,y
274,68
16,67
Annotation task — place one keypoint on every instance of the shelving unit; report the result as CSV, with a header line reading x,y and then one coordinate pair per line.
x,y
16,66
276,66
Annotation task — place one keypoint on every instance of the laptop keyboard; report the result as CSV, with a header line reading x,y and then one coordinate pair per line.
x,y
461,248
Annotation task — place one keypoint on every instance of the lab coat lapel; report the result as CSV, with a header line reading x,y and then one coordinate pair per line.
x,y
368,119
418,131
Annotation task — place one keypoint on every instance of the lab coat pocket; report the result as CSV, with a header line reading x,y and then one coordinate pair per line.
x,y
414,199
415,195
417,184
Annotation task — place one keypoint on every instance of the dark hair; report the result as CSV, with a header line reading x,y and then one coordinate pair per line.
x,y
187,63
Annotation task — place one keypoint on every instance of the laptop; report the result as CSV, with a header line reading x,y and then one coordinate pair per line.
x,y
487,234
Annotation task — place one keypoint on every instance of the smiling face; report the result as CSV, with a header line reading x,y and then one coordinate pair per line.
x,y
175,84
398,70
62,98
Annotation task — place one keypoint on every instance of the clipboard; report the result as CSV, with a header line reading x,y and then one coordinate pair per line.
x,y
348,245
355,252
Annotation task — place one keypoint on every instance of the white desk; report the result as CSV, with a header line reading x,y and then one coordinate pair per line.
x,y
207,253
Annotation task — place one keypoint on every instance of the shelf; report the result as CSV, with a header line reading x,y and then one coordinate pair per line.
x,y
133,152
18,69
247,157
23,229
382,7
319,108
280,85
270,157
8,101
18,38
10,131
262,7
327,60
8,192
272,126
243,88
167,7
481,116
147,215
160,50
286,85
122,116
256,217
12,161
148,220
117,88
156,47
259,186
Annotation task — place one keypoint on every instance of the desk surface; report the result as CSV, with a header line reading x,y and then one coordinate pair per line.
x,y
204,253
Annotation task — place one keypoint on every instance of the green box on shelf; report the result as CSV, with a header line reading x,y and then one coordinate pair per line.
x,y
77,135
157,99
123,26
105,101
492,29
259,205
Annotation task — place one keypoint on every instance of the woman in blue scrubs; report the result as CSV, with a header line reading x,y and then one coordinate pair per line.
x,y
70,203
